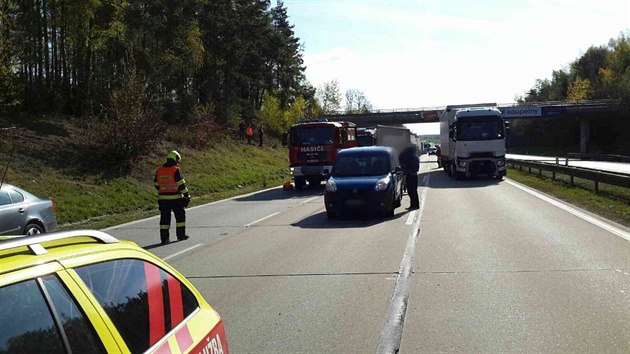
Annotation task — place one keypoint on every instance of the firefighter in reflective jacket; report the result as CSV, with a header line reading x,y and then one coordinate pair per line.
x,y
172,196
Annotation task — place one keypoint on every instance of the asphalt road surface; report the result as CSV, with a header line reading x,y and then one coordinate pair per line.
x,y
483,266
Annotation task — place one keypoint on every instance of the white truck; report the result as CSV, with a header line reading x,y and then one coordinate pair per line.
x,y
473,141
397,137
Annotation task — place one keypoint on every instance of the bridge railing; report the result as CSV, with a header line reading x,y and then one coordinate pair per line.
x,y
582,103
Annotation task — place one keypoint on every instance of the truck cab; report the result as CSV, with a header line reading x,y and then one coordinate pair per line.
x,y
473,141
313,146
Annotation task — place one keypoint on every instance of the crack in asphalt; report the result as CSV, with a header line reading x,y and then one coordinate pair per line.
x,y
288,275
527,271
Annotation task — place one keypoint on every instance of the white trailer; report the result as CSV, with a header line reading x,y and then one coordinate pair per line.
x,y
472,141
398,138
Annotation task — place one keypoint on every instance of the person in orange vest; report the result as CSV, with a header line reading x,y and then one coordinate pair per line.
x,y
173,196
249,132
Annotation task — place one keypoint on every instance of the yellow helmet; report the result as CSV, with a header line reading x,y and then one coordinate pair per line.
x,y
174,155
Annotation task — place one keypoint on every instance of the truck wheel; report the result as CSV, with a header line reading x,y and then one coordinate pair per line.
x,y
451,170
299,183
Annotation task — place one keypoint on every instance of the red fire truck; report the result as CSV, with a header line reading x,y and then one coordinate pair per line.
x,y
313,146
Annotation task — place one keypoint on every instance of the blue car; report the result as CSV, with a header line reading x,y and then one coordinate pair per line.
x,y
365,179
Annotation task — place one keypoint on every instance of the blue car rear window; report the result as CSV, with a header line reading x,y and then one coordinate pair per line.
x,y
361,165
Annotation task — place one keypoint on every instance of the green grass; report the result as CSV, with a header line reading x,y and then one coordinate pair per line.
x,y
223,169
611,202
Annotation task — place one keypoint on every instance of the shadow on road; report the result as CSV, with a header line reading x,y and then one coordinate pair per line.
x,y
439,179
349,220
159,244
279,194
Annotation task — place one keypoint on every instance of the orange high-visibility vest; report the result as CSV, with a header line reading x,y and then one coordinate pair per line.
x,y
165,177
249,131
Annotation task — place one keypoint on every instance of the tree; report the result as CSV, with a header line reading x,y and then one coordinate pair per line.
x,y
540,92
356,102
559,85
588,66
330,97
287,62
579,89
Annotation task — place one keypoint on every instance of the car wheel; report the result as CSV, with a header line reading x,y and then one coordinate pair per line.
x,y
398,201
389,213
33,229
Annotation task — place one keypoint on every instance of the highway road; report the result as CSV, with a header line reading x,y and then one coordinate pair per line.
x,y
483,266
617,167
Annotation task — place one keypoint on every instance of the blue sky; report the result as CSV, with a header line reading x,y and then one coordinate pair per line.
x,y
411,54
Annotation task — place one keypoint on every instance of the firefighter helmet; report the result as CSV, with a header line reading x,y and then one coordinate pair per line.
x,y
174,155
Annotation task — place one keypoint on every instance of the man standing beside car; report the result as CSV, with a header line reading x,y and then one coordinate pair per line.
x,y
410,165
173,197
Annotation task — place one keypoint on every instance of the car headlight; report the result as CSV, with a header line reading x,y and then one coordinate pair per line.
x,y
462,163
382,184
501,163
331,186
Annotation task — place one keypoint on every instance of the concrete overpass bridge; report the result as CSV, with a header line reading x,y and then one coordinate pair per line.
x,y
510,111
583,110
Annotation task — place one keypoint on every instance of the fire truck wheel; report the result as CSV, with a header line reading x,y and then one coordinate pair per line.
x,y
299,183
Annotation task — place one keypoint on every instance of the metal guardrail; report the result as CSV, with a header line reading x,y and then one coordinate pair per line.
x,y
615,179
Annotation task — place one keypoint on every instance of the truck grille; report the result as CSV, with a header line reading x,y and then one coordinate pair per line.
x,y
474,155
484,167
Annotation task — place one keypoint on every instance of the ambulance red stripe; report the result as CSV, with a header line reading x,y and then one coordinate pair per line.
x,y
156,303
184,339
175,296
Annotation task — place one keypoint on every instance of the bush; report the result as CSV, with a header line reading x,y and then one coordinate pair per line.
x,y
127,130
199,132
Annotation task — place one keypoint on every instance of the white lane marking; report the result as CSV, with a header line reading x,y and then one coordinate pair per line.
x,y
309,200
182,251
191,208
411,216
391,333
610,228
261,219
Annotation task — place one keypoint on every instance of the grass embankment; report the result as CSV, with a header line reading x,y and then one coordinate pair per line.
x,y
224,168
611,202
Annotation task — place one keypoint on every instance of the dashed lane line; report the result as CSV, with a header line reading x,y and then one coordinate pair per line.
x,y
182,251
261,219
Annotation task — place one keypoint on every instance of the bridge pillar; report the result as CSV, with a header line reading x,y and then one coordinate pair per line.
x,y
585,135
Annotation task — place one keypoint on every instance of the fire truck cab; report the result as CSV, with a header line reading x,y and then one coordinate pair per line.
x,y
313,146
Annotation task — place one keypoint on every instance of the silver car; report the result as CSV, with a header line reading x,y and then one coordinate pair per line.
x,y
23,213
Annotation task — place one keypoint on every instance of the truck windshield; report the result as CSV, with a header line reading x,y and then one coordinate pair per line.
x,y
361,165
480,128
312,136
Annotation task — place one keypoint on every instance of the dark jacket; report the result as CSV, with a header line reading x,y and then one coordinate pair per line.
x,y
409,161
